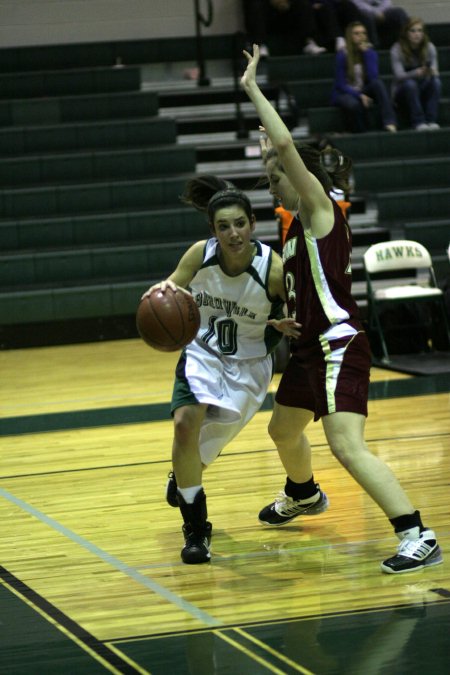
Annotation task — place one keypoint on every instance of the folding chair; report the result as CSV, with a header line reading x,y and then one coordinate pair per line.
x,y
400,271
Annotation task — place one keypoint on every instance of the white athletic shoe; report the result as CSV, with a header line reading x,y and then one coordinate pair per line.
x,y
414,554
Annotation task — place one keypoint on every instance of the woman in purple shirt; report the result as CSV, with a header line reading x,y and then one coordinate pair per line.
x,y
357,83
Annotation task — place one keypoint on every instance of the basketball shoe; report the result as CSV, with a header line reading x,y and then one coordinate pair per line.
x,y
197,545
414,554
285,508
171,490
196,530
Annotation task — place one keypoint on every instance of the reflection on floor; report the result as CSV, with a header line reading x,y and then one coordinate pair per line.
x,y
388,641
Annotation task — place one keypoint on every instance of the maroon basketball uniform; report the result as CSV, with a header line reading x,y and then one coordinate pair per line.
x,y
330,363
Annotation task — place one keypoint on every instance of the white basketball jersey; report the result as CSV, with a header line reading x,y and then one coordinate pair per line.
x,y
234,309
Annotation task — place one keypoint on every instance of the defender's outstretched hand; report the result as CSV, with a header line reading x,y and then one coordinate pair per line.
x,y
249,76
287,326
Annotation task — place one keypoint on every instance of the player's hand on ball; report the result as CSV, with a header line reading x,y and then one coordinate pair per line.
x,y
162,286
167,320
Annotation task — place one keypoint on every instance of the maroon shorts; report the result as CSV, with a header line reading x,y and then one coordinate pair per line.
x,y
329,377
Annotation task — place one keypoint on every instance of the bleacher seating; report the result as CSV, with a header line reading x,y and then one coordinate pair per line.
x,y
313,94
91,173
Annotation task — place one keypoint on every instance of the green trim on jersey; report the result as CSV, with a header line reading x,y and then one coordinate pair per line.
x,y
214,260
255,276
181,394
272,336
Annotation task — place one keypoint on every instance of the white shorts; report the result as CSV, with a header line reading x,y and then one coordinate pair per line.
x,y
233,390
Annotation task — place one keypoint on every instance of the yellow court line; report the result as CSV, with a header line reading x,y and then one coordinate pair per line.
x,y
69,634
249,653
127,659
75,639
281,657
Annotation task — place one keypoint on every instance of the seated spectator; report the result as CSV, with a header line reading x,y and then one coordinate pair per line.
x,y
357,84
416,85
346,12
382,20
332,18
286,17
327,25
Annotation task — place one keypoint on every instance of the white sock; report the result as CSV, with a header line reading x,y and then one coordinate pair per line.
x,y
189,493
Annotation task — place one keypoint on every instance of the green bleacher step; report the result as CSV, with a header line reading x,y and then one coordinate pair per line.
x,y
433,234
96,165
69,82
397,207
75,302
402,174
87,265
110,53
66,109
87,135
155,224
156,50
381,145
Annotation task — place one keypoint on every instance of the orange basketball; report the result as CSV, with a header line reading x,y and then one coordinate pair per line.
x,y
167,321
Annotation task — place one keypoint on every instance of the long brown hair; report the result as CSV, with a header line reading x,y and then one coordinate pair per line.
x,y
408,54
354,55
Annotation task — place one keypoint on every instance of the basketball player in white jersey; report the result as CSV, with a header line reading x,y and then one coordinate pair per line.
x,y
222,376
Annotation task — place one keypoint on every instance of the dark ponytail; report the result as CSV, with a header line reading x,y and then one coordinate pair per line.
x,y
210,193
199,190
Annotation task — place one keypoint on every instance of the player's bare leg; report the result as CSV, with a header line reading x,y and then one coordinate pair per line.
x,y
301,495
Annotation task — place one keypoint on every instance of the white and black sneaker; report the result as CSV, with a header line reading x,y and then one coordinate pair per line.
x,y
414,554
285,508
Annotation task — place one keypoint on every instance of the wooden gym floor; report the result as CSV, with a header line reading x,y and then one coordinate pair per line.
x,y
91,577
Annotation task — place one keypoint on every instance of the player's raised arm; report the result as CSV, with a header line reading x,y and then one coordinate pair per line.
x,y
304,182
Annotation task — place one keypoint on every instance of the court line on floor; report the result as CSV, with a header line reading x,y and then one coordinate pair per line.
x,y
273,652
112,658
130,572
153,412
234,453
194,611
247,652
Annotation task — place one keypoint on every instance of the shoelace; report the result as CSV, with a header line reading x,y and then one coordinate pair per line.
x,y
285,505
417,548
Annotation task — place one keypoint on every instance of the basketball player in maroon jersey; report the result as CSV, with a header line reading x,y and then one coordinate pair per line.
x,y
327,376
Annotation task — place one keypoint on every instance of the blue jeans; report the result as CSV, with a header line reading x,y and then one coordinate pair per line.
x,y
421,99
355,112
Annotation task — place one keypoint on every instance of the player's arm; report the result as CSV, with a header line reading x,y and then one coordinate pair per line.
x,y
307,185
188,266
287,326
317,211
276,278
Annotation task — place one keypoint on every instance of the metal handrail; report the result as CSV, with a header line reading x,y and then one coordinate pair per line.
x,y
201,20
